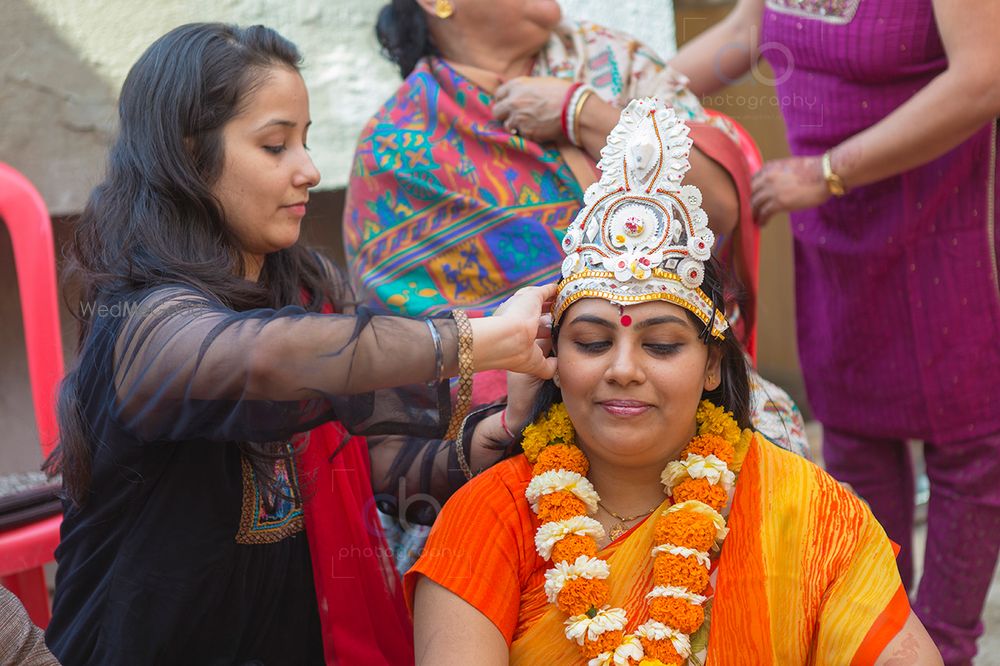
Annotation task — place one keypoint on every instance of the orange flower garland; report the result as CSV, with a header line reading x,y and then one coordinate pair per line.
x,y
684,534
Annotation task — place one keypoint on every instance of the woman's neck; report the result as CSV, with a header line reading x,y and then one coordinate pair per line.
x,y
252,265
503,63
627,491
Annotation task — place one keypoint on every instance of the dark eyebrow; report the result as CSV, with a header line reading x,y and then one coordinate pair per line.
x,y
282,122
666,319
645,323
593,319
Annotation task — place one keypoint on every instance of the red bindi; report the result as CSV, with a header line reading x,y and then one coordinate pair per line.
x,y
624,318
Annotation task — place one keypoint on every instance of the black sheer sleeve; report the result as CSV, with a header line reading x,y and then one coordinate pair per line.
x,y
185,366
413,477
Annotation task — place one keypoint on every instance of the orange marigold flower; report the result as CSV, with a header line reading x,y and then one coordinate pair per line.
x,y
662,650
714,420
573,546
606,642
710,444
560,505
562,456
685,528
677,613
680,571
579,594
700,489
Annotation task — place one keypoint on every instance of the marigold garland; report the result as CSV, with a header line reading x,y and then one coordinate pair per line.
x,y
560,506
688,527
714,495
562,456
573,546
683,536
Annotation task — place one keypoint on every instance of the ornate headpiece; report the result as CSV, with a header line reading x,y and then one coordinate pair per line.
x,y
641,235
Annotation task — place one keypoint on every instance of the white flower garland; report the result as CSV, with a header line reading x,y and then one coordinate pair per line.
x,y
589,627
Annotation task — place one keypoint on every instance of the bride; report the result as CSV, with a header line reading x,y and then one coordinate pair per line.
x,y
645,522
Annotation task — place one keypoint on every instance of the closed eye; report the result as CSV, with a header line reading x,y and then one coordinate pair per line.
x,y
593,347
664,350
275,150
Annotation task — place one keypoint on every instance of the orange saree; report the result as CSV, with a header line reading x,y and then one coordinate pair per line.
x,y
806,575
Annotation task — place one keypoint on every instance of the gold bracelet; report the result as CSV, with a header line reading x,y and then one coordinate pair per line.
x,y
834,183
460,451
465,370
584,96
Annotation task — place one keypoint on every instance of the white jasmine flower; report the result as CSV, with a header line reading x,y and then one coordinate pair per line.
x,y
603,659
702,557
677,593
581,627
673,474
657,631
561,479
630,649
695,466
551,532
584,567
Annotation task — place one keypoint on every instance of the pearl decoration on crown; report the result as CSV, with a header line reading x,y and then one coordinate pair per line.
x,y
640,222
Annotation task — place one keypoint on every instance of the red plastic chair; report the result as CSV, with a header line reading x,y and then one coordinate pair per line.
x,y
23,550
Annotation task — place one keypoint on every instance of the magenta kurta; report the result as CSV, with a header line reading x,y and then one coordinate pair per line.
x,y
898,299
897,293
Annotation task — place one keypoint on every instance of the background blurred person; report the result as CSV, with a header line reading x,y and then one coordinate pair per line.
x,y
891,110
465,179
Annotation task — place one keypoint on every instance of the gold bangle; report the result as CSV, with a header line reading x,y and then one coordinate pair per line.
x,y
460,451
465,371
834,183
584,96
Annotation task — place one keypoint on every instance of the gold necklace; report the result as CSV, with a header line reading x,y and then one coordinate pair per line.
x,y
621,528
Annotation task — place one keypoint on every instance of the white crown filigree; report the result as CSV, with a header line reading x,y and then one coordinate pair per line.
x,y
641,234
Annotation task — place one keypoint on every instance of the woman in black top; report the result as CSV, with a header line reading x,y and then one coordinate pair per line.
x,y
204,348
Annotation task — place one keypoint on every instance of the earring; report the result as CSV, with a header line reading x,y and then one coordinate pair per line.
x,y
444,9
555,380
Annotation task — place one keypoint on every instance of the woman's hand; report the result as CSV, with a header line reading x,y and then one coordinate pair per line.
x,y
785,185
522,390
506,340
531,106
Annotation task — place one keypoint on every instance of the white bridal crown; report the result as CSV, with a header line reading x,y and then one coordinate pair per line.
x,y
641,235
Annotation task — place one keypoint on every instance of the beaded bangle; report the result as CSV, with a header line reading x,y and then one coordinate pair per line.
x,y
463,463
565,118
438,352
465,370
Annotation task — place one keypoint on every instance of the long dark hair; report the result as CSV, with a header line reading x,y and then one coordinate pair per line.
x,y
154,219
733,392
402,31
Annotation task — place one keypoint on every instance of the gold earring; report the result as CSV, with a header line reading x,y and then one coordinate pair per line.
x,y
444,9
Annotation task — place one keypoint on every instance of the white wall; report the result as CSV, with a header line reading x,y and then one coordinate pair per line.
x,y
347,76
